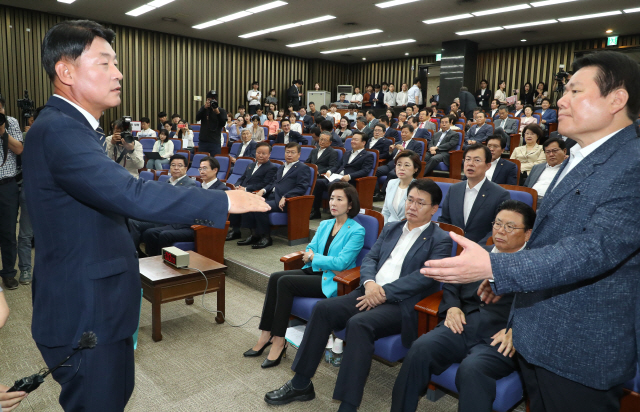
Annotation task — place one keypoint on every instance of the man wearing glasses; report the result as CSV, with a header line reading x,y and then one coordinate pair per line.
x,y
472,333
541,176
390,286
472,205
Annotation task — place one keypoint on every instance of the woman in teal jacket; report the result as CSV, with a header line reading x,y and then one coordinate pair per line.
x,y
335,247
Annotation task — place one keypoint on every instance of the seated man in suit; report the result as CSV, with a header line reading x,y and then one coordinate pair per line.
x,y
378,141
424,123
390,286
292,179
402,119
389,132
473,204
569,143
324,156
541,176
307,121
502,171
255,177
455,109
505,125
178,171
472,334
361,126
371,119
493,113
548,116
356,163
478,134
315,136
439,147
327,126
287,135
166,235
519,111
389,169
248,146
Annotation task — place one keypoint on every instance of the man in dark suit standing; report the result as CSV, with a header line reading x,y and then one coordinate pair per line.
x,y
473,204
294,94
467,102
438,149
390,286
472,334
356,163
483,95
377,98
478,134
86,275
582,254
256,176
324,156
287,135
292,179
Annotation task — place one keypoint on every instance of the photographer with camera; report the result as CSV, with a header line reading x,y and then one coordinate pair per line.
x,y
212,119
124,149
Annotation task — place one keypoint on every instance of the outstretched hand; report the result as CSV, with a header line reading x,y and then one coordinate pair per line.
x,y
10,400
472,265
243,202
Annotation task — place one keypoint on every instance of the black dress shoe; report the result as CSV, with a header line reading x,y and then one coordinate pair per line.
x,y
271,363
287,394
255,353
10,283
232,235
262,243
248,241
378,198
315,214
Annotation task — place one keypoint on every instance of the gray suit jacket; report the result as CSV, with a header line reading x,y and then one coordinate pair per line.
x,y
578,283
534,175
449,142
510,127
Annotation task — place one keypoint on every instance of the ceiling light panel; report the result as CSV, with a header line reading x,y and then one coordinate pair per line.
x,y
287,26
140,10
370,46
550,2
238,15
443,19
591,16
632,10
394,3
502,10
340,37
159,3
464,33
533,23
66,1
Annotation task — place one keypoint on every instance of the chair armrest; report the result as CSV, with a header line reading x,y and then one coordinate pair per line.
x,y
293,260
348,280
366,186
455,164
224,150
428,312
553,127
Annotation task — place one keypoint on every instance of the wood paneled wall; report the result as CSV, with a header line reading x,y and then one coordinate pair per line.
x,y
537,63
391,71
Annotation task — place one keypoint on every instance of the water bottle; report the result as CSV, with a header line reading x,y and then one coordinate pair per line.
x,y
327,350
336,358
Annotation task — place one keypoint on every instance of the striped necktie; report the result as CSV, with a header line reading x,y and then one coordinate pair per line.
x,y
102,138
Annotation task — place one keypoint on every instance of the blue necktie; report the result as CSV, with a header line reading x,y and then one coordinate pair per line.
x,y
102,138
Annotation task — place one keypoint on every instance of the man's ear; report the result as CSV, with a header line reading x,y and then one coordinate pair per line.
x,y
65,70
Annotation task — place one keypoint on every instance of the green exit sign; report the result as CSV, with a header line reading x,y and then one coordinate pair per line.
x,y
438,57
612,41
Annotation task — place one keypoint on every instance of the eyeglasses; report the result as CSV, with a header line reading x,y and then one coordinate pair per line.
x,y
177,166
291,152
552,151
494,146
508,227
419,205
203,169
475,161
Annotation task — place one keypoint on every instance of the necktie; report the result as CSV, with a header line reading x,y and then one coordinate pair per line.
x,y
286,138
421,125
404,144
102,138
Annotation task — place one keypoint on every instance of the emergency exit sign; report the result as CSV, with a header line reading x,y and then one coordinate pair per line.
x,y
612,41
438,57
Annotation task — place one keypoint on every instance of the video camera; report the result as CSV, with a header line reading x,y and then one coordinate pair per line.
x,y
560,79
26,105
213,95
125,133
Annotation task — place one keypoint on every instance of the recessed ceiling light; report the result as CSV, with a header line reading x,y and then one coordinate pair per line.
x,y
591,16
364,58
394,3
287,26
450,18
339,37
406,54
550,2
159,3
66,1
533,23
464,33
523,40
502,10
637,9
369,46
609,31
239,14
140,10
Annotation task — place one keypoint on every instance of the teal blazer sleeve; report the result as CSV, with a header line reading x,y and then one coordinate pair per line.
x,y
343,252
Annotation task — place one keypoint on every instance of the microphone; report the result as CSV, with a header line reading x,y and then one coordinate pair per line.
x,y
31,383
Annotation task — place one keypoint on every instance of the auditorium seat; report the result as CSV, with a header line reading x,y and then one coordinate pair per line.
x,y
424,143
177,144
146,175
308,138
519,166
194,127
185,153
238,169
523,194
347,144
455,159
372,222
277,152
235,148
208,242
197,158
305,151
147,144
225,166
444,184
163,178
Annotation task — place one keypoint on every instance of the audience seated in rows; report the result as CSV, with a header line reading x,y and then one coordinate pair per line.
x,y
379,142
256,130
324,156
344,131
519,110
351,115
389,169
542,174
493,112
333,114
272,125
439,147
473,334
295,126
391,285
402,120
163,146
287,135
473,204
261,115
327,126
361,126
504,125
247,146
527,118
292,179
424,121
502,171
389,133
145,125
531,153
356,163
233,127
185,134
335,247
129,155
547,115
408,167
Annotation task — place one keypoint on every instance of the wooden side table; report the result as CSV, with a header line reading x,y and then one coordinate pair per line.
x,y
162,283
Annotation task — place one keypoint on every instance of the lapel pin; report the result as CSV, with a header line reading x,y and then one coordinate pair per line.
x,y
482,195
578,191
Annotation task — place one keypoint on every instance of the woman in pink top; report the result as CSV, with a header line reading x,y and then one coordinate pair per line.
x,y
528,118
272,124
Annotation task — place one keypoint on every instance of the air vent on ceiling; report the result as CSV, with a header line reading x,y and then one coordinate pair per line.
x,y
351,23
269,39
346,55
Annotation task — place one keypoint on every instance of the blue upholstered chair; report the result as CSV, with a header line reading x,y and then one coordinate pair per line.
x,y
147,144
455,160
177,144
239,167
305,151
372,222
309,139
194,127
444,183
277,152
225,166
347,144
235,148
146,175
193,170
523,194
163,178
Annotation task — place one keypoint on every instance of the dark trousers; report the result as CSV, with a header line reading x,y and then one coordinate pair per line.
x,y
9,200
433,162
363,328
259,221
97,380
137,229
549,392
480,366
322,185
282,288
253,108
235,221
388,170
209,147
164,236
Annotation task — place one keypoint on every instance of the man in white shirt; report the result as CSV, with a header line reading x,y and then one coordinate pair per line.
x,y
351,114
390,285
390,96
248,148
403,96
145,124
254,97
333,114
541,176
356,97
415,93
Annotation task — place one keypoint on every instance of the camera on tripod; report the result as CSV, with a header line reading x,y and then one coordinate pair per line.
x,y
125,133
212,97
26,105
560,79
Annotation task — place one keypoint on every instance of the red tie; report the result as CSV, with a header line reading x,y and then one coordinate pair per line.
x,y
404,144
421,125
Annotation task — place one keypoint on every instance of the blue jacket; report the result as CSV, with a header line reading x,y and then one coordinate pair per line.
x,y
413,145
262,177
578,283
506,173
293,137
86,275
479,134
549,115
343,252
250,151
294,183
360,167
412,286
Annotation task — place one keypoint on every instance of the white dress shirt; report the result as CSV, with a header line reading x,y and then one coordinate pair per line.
x,y
286,138
372,142
320,151
287,167
92,120
390,270
354,154
335,116
256,168
173,182
296,127
147,133
254,93
492,169
401,99
208,185
470,195
357,98
545,179
243,148
578,153
390,99
411,98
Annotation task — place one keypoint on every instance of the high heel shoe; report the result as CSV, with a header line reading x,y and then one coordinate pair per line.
x,y
255,353
271,363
